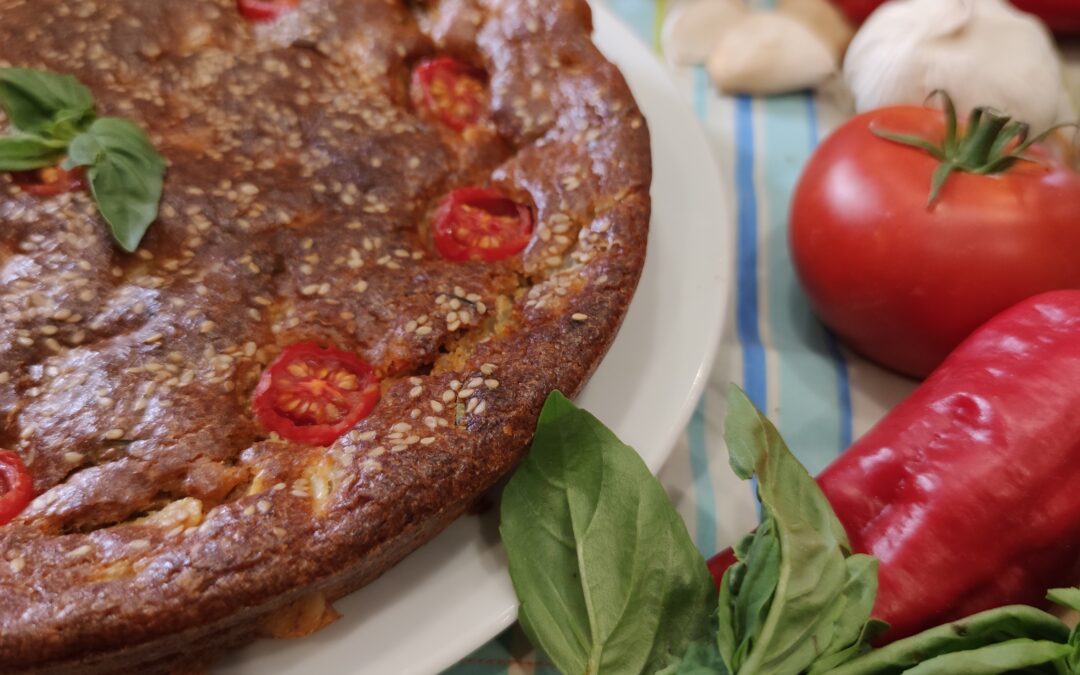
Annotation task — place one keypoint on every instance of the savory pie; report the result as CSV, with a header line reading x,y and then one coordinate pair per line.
x,y
387,231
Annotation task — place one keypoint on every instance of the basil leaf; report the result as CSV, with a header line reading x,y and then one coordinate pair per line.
x,y
44,103
963,636
701,658
608,577
1070,599
126,176
849,614
1004,657
24,153
813,588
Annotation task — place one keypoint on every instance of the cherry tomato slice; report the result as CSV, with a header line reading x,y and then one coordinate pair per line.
x,y
51,181
449,90
481,224
311,394
265,10
16,486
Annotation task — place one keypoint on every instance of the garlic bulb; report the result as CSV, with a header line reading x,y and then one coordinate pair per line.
x,y
770,53
824,18
692,29
982,52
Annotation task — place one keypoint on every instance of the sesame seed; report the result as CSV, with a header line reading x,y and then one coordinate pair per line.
x,y
473,402
424,330
279,532
475,383
448,396
114,434
401,427
263,506
139,544
249,511
17,565
430,422
79,552
399,448
436,406
416,391
487,368
466,393
481,408
367,436
206,326
73,457
580,317
427,440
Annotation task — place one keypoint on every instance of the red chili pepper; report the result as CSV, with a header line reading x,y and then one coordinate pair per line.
x,y
968,492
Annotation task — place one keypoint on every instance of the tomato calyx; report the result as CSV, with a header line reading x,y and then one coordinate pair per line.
x,y
50,181
16,486
477,223
313,394
265,10
990,143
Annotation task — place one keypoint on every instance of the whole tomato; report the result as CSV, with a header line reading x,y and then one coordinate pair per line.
x,y
903,281
1062,16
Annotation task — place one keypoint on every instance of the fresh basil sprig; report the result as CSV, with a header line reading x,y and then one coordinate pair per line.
x,y
608,577
611,584
52,121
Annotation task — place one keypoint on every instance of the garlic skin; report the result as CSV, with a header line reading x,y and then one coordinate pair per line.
x,y
824,18
692,29
770,53
981,52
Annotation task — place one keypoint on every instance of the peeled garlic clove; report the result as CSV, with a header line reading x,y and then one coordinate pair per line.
x,y
824,18
692,29
770,53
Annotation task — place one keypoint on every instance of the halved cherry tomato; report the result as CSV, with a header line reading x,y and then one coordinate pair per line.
x,y
312,394
481,224
265,10
51,181
450,90
16,486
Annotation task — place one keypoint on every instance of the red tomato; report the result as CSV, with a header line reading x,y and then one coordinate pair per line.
x,y
265,10
1061,15
904,283
449,90
51,181
481,224
16,486
314,395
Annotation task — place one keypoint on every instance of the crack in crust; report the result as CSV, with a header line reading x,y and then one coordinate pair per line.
x,y
298,176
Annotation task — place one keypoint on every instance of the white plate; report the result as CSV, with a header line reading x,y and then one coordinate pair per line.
x,y
454,594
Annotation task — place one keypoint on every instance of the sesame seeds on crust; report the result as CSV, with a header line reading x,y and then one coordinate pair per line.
x,y
298,185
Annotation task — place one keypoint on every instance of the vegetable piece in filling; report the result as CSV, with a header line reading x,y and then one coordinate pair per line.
x,y
265,10
311,394
16,486
481,224
450,91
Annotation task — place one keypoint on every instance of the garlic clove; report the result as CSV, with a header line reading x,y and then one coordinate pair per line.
x,y
770,53
824,18
692,29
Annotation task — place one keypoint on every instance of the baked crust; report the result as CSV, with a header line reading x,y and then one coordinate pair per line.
x,y
169,525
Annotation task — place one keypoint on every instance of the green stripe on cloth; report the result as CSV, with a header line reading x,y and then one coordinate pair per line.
x,y
807,395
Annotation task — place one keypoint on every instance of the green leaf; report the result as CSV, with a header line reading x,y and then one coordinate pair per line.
x,y
1070,599
608,577
849,612
807,616
126,176
701,658
977,631
43,103
25,153
1004,657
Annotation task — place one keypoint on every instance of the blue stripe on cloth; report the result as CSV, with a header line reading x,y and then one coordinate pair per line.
x,y
746,256
843,379
639,14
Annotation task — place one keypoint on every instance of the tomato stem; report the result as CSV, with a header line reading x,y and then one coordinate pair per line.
x,y
989,143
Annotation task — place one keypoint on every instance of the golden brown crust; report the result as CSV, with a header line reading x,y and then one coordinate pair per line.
x,y
168,523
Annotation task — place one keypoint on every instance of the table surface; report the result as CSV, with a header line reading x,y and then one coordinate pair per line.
x,y
819,395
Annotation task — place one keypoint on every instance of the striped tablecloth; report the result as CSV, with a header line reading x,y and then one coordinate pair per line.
x,y
819,395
